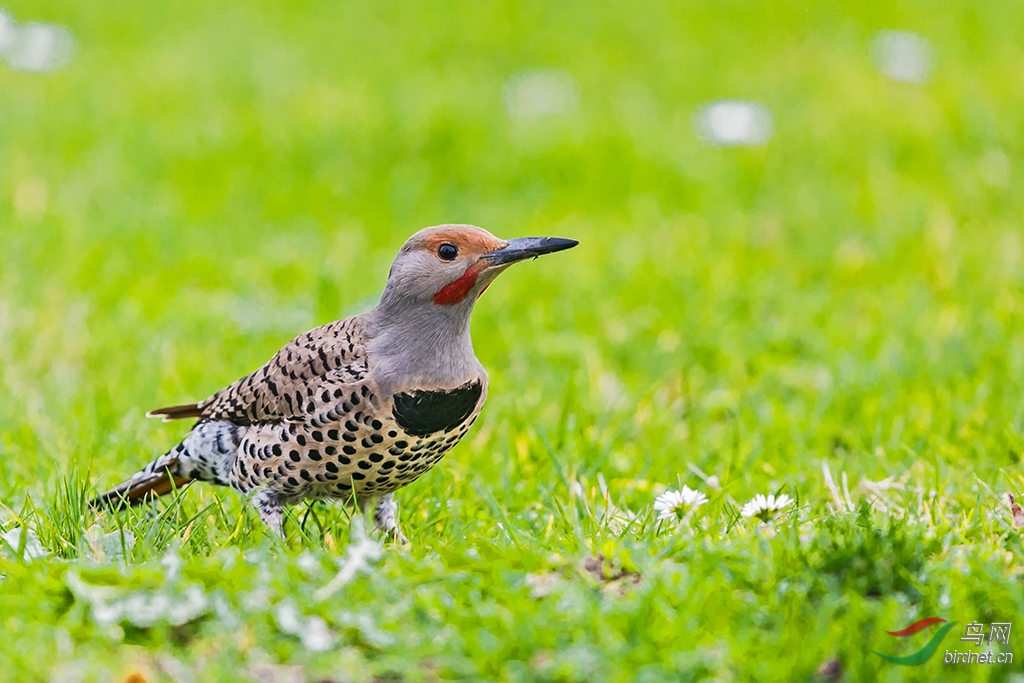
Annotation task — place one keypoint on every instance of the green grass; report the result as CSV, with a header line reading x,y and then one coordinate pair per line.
x,y
206,180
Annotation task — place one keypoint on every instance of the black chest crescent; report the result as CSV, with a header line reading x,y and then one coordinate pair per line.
x,y
421,413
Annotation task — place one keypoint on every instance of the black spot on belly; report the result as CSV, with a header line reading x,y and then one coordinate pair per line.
x,y
421,413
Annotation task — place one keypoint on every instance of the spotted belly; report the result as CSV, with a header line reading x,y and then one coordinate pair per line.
x,y
371,449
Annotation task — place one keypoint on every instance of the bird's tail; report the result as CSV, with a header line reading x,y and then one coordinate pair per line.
x,y
156,479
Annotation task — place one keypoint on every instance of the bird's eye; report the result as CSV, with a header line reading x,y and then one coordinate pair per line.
x,y
447,251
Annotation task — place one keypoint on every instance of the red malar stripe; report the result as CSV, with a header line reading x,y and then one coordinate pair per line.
x,y
917,626
455,292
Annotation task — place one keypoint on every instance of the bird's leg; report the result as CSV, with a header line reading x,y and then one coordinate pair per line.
x,y
268,504
385,518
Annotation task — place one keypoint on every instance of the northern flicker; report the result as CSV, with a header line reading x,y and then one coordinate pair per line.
x,y
359,407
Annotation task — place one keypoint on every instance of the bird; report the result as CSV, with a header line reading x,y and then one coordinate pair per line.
x,y
355,409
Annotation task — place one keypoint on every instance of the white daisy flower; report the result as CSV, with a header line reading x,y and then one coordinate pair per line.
x,y
678,504
764,507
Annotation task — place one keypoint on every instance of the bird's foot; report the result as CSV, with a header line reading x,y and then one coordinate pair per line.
x,y
396,536
385,518
268,504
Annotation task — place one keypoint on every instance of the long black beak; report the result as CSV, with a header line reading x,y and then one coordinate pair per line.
x,y
527,247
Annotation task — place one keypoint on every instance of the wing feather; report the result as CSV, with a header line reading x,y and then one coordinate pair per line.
x,y
326,358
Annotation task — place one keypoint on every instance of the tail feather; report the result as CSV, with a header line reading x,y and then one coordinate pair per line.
x,y
177,412
148,484
206,454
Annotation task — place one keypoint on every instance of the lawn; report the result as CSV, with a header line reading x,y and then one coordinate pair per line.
x,y
834,315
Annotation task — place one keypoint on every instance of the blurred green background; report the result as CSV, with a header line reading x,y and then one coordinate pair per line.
x,y
200,182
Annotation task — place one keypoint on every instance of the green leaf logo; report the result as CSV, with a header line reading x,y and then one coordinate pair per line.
x,y
922,655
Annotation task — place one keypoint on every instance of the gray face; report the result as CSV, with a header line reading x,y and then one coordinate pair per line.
x,y
451,264
420,328
417,276
435,258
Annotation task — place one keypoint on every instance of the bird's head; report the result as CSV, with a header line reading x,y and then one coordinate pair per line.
x,y
449,265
